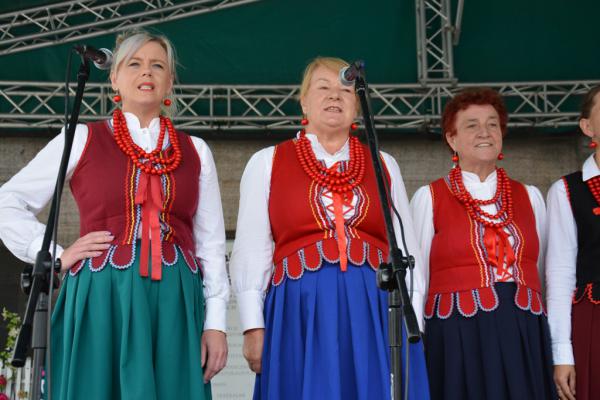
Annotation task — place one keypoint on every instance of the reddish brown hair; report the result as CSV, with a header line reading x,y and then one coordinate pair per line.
x,y
469,97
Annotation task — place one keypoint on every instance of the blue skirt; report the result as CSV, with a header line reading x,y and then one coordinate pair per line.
x,y
326,338
499,355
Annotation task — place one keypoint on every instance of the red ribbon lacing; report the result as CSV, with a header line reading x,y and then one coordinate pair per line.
x,y
498,247
149,196
337,207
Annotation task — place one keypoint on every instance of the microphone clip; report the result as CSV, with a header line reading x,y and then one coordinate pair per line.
x,y
102,58
349,74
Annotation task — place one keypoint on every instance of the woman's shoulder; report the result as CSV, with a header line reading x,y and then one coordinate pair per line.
x,y
388,159
557,189
262,157
80,136
535,196
422,194
198,142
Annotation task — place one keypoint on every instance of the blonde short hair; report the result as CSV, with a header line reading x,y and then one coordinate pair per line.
x,y
128,43
332,63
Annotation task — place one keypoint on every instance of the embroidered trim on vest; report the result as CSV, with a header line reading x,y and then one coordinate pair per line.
x,y
320,214
564,179
131,212
361,210
445,305
519,244
168,185
469,302
322,218
476,233
311,258
590,291
123,256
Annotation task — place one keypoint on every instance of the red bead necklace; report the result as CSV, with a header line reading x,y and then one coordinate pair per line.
x,y
334,180
473,206
594,185
154,162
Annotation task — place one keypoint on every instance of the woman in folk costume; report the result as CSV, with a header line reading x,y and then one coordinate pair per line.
x,y
141,312
310,236
573,268
482,235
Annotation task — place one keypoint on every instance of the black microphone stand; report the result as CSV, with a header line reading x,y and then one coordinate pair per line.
x,y
36,281
390,275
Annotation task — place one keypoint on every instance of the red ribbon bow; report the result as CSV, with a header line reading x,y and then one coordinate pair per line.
x,y
149,196
498,246
337,207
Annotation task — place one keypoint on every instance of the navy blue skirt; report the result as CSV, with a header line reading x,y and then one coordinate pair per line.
x,y
498,355
326,338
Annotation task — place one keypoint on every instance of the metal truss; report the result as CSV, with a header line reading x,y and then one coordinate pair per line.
x,y
405,107
436,37
68,21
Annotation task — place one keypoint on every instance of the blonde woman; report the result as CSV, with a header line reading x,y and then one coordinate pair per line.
x,y
310,236
141,312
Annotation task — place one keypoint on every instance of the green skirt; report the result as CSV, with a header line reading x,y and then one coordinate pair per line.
x,y
116,335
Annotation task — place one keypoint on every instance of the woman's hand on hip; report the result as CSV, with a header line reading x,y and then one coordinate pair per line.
x,y
90,245
214,353
253,348
564,378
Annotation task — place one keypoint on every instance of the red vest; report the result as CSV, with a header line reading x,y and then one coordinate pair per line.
x,y
461,273
304,234
104,185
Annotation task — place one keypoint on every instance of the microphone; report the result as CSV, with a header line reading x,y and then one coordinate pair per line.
x,y
102,58
348,74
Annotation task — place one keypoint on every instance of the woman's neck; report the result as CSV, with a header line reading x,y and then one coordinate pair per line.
x,y
145,116
331,140
482,170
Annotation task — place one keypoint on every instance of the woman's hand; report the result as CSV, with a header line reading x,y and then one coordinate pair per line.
x,y
564,378
90,245
214,353
253,347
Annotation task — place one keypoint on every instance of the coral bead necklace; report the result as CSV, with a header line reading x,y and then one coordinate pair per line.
x,y
473,206
339,183
153,162
330,178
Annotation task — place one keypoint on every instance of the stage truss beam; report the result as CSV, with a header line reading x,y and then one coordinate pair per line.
x,y
397,107
436,36
70,21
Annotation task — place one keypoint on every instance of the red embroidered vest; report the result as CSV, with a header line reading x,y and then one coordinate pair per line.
x,y
104,185
303,232
461,273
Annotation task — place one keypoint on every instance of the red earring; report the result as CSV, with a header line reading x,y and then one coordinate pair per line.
x,y
303,122
117,98
500,156
593,145
455,158
167,102
353,126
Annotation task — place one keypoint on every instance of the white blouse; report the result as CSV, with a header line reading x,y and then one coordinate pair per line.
x,y
252,256
422,212
27,193
561,265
